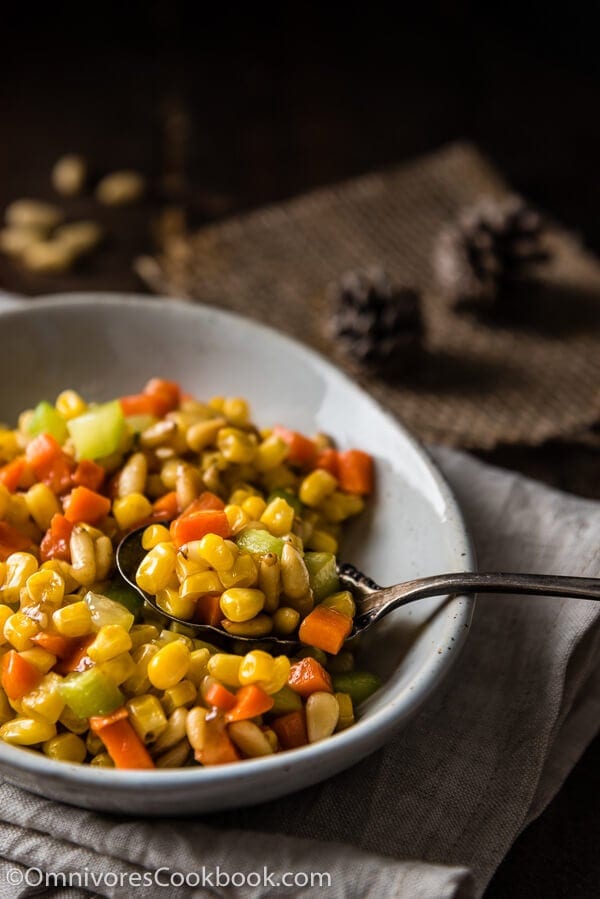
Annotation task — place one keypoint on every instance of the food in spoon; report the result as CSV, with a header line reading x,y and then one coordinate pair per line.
x,y
241,527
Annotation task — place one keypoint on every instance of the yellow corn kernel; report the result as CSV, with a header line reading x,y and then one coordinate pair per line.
x,y
255,667
286,620
203,433
69,404
280,476
5,614
46,587
197,585
18,630
271,453
6,710
182,694
19,566
242,493
198,665
102,760
27,731
120,668
225,667
73,620
189,562
169,665
236,446
17,512
9,445
213,550
45,700
40,658
240,604
42,504
155,534
139,682
316,486
248,737
65,748
256,627
171,635
216,403
72,723
156,568
322,542
147,717
278,517
341,602
236,517
173,603
237,411
110,641
346,711
130,509
254,507
65,571
339,506
244,572
142,633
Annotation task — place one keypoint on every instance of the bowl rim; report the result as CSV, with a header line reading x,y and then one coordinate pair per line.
x,y
365,734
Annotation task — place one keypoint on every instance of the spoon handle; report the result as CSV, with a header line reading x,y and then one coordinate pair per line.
x,y
377,604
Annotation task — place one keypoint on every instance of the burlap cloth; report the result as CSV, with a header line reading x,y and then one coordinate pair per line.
x,y
525,380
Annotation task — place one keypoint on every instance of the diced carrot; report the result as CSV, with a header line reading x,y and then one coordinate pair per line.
x,y
220,697
12,472
206,502
355,471
11,541
89,474
86,505
99,722
121,741
218,748
193,527
208,609
291,729
168,392
141,404
307,676
326,629
167,503
55,542
18,675
327,459
59,646
250,701
302,450
79,659
50,464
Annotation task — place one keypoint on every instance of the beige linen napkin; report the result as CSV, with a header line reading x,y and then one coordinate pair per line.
x,y
432,814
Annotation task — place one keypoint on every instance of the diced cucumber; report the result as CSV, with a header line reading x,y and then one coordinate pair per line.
x,y
120,591
46,420
322,574
259,542
98,432
284,701
91,692
358,684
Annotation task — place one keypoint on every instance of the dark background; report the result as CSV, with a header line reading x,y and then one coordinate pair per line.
x,y
249,105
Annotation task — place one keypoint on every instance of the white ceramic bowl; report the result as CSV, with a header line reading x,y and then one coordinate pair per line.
x,y
105,345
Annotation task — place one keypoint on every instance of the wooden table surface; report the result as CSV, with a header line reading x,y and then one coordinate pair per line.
x,y
273,108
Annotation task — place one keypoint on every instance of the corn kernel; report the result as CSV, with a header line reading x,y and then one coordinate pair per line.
x,y
5,614
271,453
19,566
27,731
110,641
278,517
169,665
65,571
225,667
73,620
217,403
65,748
322,542
142,633
255,667
18,630
139,682
236,517
120,668
45,700
188,561
316,486
182,694
213,550
173,603
244,572
128,510
197,585
236,446
236,410
156,568
9,445
241,494
46,587
339,506
198,665
40,658
42,504
155,534
241,604
69,404
279,477
254,506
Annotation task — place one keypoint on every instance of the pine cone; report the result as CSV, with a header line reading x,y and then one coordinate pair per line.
x,y
492,247
379,326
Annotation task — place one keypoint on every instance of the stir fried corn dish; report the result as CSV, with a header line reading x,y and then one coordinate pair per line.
x,y
240,531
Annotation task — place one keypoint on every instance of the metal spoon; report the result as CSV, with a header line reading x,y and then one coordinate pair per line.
x,y
374,602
